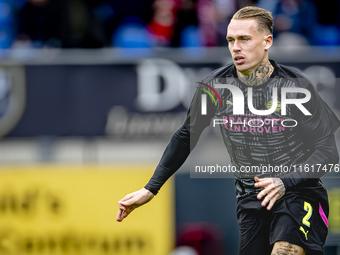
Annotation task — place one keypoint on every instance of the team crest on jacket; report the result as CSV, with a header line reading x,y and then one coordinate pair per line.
x,y
278,107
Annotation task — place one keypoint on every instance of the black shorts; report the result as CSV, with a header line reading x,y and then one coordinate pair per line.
x,y
299,217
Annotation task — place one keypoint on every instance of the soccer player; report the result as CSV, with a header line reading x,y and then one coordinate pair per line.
x,y
278,212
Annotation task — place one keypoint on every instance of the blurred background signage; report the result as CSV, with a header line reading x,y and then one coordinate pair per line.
x,y
54,209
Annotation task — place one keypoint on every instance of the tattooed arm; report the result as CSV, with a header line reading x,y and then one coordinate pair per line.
x,y
285,248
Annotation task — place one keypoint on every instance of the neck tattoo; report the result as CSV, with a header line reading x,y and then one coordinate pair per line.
x,y
259,76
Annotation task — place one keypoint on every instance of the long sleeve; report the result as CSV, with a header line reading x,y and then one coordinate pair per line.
x,y
318,129
182,142
325,153
173,157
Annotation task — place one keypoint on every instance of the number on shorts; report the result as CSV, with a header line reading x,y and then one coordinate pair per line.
x,y
309,209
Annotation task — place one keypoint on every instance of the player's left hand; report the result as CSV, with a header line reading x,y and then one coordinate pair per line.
x,y
273,190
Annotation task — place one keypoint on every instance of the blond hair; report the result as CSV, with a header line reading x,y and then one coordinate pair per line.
x,y
263,17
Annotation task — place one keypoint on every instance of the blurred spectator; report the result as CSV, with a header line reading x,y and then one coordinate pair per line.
x,y
125,22
244,3
206,14
163,22
225,10
187,32
31,22
327,31
132,34
150,23
59,23
294,19
299,22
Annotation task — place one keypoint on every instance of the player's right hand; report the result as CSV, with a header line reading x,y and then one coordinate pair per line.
x,y
133,201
